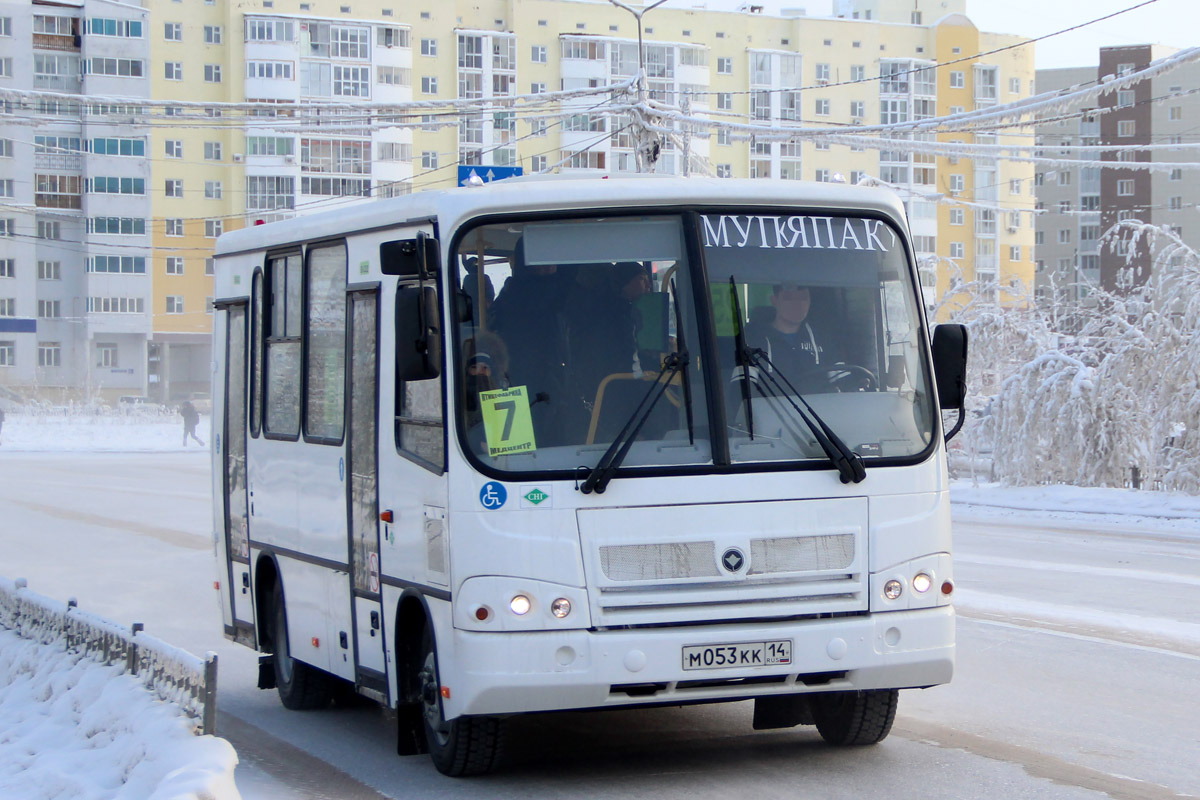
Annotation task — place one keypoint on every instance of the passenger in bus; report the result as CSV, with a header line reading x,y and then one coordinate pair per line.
x,y
786,337
603,325
486,360
528,316
480,302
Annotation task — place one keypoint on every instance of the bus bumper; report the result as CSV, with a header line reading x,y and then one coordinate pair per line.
x,y
509,673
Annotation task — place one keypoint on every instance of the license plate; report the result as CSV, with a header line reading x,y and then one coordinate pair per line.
x,y
743,654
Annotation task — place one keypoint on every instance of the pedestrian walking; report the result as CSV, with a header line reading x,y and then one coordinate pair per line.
x,y
191,418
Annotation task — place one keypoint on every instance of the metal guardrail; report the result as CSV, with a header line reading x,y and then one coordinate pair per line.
x,y
172,674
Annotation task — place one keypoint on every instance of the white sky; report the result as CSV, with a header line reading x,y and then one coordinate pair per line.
x,y
1169,22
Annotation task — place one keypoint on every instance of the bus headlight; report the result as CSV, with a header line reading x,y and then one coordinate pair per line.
x,y
560,607
921,583
893,589
520,605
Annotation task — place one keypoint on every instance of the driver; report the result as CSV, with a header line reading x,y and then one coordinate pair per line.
x,y
787,339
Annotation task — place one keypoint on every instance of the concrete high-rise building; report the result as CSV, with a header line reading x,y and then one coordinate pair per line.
x,y
233,134
1080,204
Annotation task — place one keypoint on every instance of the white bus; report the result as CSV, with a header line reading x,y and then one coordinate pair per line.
x,y
586,443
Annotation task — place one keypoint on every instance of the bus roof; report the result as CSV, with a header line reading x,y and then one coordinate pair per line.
x,y
452,207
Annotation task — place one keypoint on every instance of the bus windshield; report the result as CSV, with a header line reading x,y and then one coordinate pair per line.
x,y
575,332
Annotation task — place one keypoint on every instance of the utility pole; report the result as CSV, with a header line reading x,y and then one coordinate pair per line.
x,y
648,145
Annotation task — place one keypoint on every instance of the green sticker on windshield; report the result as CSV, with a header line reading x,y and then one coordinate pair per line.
x,y
507,422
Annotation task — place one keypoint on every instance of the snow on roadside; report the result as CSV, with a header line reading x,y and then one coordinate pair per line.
x,y
98,434
70,727
1173,511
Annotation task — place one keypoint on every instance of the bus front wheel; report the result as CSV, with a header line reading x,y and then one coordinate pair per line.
x,y
465,745
300,685
855,718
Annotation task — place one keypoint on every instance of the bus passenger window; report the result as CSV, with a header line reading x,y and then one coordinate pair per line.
x,y
283,346
325,357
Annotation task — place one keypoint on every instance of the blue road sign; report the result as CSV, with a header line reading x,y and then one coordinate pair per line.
x,y
487,174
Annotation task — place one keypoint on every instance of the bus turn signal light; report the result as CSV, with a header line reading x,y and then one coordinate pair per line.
x,y
385,516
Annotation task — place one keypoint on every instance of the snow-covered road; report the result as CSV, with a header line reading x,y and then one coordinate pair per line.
x,y
1079,640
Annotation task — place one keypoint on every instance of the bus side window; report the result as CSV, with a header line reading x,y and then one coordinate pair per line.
x,y
325,355
420,424
283,347
256,354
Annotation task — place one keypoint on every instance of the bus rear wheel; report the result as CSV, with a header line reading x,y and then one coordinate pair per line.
x,y
300,685
855,718
462,746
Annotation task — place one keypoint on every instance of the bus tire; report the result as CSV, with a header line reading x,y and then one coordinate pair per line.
x,y
855,718
301,686
463,746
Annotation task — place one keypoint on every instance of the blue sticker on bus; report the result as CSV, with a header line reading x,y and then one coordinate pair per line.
x,y
493,495
341,469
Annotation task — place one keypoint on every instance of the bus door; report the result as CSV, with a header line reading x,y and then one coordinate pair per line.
x,y
362,489
233,464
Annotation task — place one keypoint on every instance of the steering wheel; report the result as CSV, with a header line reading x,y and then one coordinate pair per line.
x,y
852,378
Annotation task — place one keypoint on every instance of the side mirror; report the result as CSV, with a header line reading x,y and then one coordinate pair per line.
x,y
950,365
418,333
410,258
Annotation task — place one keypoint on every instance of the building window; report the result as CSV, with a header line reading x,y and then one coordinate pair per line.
x,y
957,216
822,108
957,249
174,304
8,267
538,54
49,230
49,309
1175,203
392,37
1064,178
958,79
173,31
212,73
429,47
49,270
724,66
1125,98
957,183
210,266
858,72
1126,127
1125,188
822,176
214,228
8,353
174,188
174,148
429,159
724,170
212,34
1176,174
858,109
173,70
212,151
173,227
106,355
49,354
1175,113
212,190
1064,236
1014,87
823,73
429,84
270,192
174,265
8,307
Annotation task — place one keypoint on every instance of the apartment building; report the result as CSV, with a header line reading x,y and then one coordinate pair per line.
x,y
234,135
1080,204
74,202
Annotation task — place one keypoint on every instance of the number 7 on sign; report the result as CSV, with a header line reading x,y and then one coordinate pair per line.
x,y
507,421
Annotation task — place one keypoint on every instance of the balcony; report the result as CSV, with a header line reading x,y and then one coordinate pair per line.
x,y
71,84
56,41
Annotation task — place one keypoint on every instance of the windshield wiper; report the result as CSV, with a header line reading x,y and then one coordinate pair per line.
x,y
742,356
602,473
848,463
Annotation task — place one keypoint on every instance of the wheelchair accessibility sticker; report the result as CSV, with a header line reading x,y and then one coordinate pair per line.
x,y
493,495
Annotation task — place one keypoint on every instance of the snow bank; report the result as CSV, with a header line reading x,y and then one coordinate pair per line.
x,y
70,727
98,434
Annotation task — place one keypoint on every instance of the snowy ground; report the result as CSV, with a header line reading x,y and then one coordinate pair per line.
x,y
70,728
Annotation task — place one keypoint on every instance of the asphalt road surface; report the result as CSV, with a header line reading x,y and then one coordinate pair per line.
x,y
1078,659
